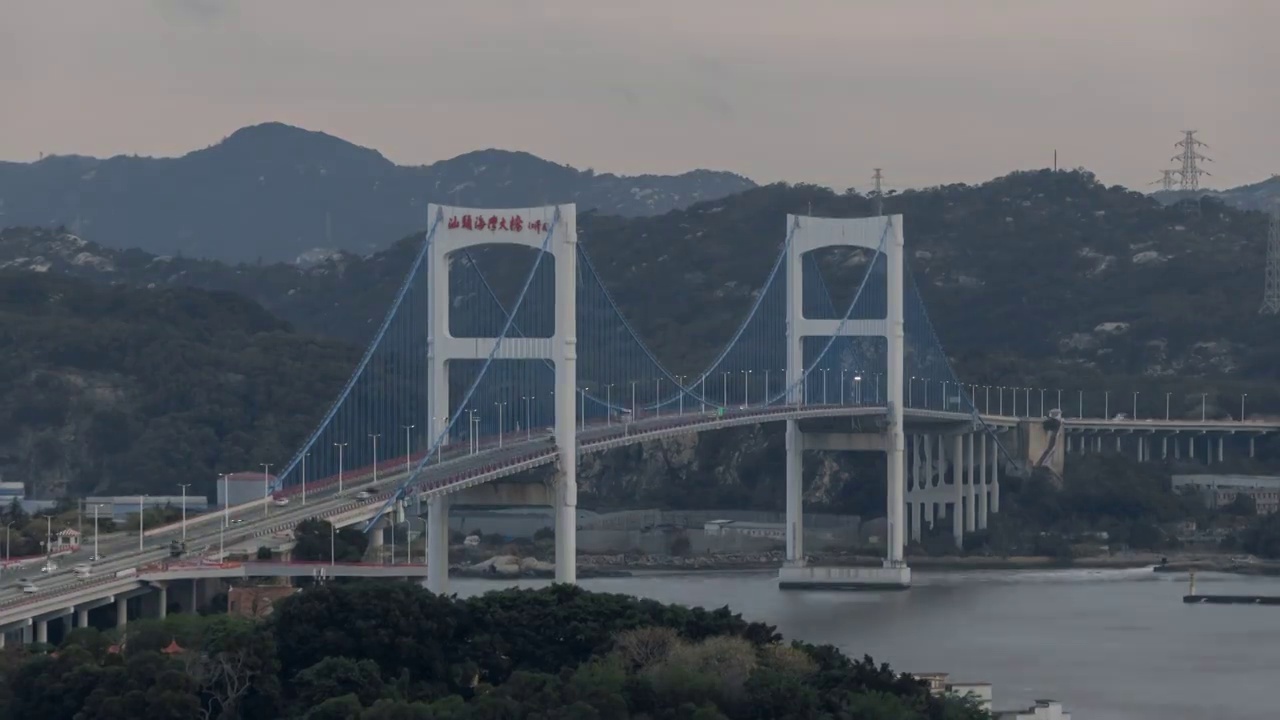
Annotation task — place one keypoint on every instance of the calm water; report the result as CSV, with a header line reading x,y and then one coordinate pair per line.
x,y
1110,644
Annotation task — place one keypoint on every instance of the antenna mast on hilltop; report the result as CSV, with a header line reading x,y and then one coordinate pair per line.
x,y
1190,157
1271,286
1166,180
879,192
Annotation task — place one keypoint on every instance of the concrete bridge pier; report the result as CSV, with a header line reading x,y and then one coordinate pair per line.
x,y
122,611
983,497
438,544
795,495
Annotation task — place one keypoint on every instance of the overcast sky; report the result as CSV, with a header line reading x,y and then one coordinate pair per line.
x,y
814,90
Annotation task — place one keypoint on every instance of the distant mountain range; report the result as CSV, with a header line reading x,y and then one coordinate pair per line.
x,y
272,192
1263,195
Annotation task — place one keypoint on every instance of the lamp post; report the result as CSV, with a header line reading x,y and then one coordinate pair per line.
x,y
500,406
184,487
48,541
1059,402
95,534
1135,406
374,437
340,446
332,544
304,477
746,388
1080,411
266,489
226,499
6,539
1042,413
657,399
1166,406
1242,397
1204,402
142,499
824,386
408,448
608,405
1106,404
528,427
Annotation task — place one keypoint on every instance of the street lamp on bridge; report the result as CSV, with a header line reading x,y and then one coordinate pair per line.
x,y
1204,406
340,446
408,449
1242,397
184,487
266,489
374,437
1135,405
500,405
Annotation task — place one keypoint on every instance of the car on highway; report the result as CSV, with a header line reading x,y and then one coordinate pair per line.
x,y
364,495
49,567
237,521
281,501
29,587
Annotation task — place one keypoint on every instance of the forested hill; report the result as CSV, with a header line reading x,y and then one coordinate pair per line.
x,y
274,192
1031,275
131,390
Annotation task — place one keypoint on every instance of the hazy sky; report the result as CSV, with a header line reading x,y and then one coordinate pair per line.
x,y
814,90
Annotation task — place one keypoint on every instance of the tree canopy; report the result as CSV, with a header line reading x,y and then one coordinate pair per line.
x,y
392,651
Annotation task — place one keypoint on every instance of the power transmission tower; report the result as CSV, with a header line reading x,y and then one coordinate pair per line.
x,y
878,192
1166,180
1271,286
1190,157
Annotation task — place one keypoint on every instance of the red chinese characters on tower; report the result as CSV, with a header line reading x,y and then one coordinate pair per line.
x,y
493,223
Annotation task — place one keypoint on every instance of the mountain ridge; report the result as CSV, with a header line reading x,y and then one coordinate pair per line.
x,y
271,192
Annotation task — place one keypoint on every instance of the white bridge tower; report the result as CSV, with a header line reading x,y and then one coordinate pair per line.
x,y
461,228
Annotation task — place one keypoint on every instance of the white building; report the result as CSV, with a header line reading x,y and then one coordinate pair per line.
x,y
982,693
1042,710
775,531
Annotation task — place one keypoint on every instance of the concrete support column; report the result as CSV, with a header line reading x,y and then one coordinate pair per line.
x,y
982,482
566,527
3,636
918,485
1117,443
42,631
438,544
1191,447
82,617
377,538
1177,448
971,494
1140,448
1164,448
122,612
162,589
1221,438
1251,448
795,495
195,594
995,478
957,495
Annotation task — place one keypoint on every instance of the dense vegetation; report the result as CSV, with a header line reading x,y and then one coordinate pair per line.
x,y
272,192
112,388
396,652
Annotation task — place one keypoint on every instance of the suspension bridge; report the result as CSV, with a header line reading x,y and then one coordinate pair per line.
x,y
453,364
469,381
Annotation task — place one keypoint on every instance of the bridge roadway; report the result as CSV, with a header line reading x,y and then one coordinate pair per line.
x,y
459,469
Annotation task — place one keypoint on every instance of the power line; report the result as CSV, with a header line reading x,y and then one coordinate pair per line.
x,y
1167,179
1190,172
1271,285
878,192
